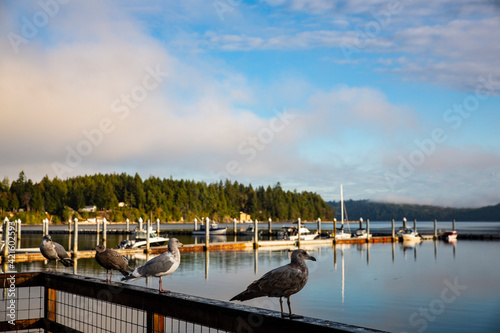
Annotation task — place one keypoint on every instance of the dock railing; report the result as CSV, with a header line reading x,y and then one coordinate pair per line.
x,y
55,302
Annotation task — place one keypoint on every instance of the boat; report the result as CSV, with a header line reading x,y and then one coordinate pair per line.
x,y
214,230
305,234
340,234
408,234
250,231
140,239
449,236
362,234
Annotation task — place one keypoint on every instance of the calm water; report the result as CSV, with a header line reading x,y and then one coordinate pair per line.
x,y
431,287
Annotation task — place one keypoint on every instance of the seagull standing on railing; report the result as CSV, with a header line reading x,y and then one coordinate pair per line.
x,y
111,259
281,282
55,251
164,264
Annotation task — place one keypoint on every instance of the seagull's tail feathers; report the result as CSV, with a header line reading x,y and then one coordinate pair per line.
x,y
126,271
246,295
132,276
67,262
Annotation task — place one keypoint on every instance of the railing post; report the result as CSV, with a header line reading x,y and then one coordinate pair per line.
x,y
50,305
156,323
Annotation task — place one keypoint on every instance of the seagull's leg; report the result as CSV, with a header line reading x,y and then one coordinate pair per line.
x,y
111,276
281,306
292,316
161,288
56,265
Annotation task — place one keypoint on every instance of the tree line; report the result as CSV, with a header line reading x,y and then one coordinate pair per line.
x,y
380,211
166,199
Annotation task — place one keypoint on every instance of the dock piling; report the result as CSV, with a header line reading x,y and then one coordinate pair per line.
x,y
415,225
207,233
368,231
148,245
319,226
234,227
453,224
334,229
269,226
5,236
256,234
75,240
393,233
18,232
128,225
435,230
298,232
195,224
104,230
404,222
158,226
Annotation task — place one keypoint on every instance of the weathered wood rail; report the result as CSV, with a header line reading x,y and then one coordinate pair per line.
x,y
74,303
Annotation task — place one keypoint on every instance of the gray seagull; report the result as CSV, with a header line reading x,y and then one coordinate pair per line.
x,y
55,251
110,260
281,282
164,264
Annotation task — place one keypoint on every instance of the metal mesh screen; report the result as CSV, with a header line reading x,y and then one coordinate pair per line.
x,y
24,303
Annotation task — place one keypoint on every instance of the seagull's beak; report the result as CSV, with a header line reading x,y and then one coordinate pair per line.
x,y
312,258
180,244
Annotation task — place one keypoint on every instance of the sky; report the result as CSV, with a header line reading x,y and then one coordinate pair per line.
x,y
396,100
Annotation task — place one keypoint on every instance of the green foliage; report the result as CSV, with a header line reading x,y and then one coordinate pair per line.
x,y
166,199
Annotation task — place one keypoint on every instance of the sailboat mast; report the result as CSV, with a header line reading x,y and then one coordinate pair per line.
x,y
341,205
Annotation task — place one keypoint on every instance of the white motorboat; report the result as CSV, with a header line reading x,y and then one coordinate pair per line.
x,y
305,234
449,236
214,230
141,239
362,234
408,234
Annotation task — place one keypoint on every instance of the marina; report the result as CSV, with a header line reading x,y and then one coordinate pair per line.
x,y
356,283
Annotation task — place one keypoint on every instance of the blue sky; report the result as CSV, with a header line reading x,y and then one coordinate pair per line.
x,y
397,100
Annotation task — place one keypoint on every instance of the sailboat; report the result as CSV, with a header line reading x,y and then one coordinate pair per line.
x,y
340,234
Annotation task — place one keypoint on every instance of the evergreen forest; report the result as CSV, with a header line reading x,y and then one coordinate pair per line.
x,y
165,199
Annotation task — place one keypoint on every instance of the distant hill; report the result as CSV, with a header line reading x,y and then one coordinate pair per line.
x,y
380,211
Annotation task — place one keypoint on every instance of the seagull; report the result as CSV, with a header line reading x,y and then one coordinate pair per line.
x,y
55,251
281,282
110,259
164,264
